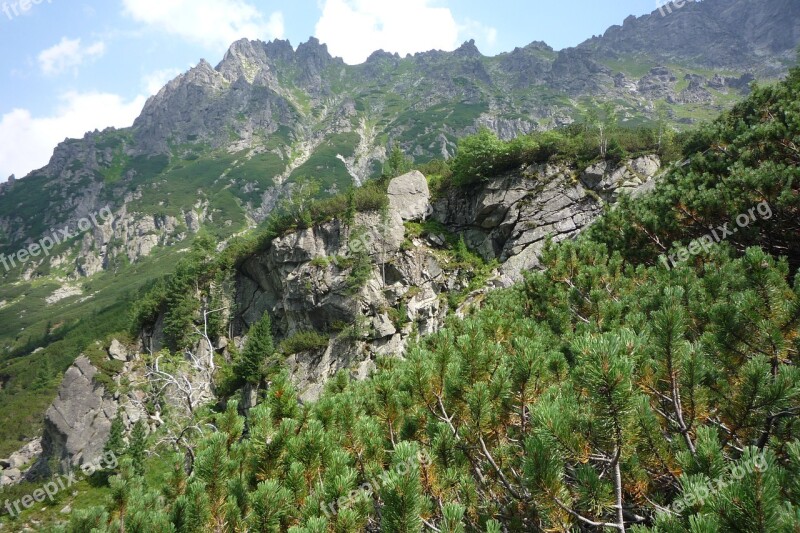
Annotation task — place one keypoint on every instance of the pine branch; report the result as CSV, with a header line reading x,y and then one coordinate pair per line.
x,y
499,472
583,519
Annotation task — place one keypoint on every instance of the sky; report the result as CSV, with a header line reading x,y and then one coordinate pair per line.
x,y
72,66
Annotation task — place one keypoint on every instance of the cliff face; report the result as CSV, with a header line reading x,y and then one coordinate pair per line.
x,y
511,217
304,280
366,289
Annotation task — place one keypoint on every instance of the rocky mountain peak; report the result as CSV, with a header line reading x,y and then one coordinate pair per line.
x,y
315,53
279,49
244,59
380,55
468,49
713,33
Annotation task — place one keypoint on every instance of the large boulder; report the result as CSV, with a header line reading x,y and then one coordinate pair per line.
x,y
117,351
409,196
78,422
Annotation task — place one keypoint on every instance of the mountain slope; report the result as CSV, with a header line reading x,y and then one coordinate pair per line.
x,y
283,112
608,390
713,34
217,147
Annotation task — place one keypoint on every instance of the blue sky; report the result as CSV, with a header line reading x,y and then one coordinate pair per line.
x,y
70,66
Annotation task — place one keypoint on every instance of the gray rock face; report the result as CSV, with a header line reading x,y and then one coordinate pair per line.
x,y
511,217
409,196
117,351
714,33
12,470
658,83
10,476
303,280
78,422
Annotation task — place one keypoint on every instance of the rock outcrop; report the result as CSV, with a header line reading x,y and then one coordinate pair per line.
x,y
409,196
13,469
306,282
117,351
365,289
305,279
78,422
511,217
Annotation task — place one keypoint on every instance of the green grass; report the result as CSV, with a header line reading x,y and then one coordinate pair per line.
x,y
631,65
260,169
25,202
84,493
324,166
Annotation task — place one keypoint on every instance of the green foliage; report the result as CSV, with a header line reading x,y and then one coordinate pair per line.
x,y
303,341
744,163
369,197
44,375
558,399
480,157
183,295
296,206
256,358
483,156
402,493
115,443
359,262
137,449
396,164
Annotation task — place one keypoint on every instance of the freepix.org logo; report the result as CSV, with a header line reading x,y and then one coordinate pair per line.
x,y
717,235
54,238
16,8
665,7
49,490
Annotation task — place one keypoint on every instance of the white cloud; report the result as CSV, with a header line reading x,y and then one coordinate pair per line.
x,y
276,26
211,23
353,29
68,54
486,36
27,142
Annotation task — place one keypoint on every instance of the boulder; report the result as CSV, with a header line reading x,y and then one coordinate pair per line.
x,y
78,422
647,165
383,326
17,460
409,196
117,351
